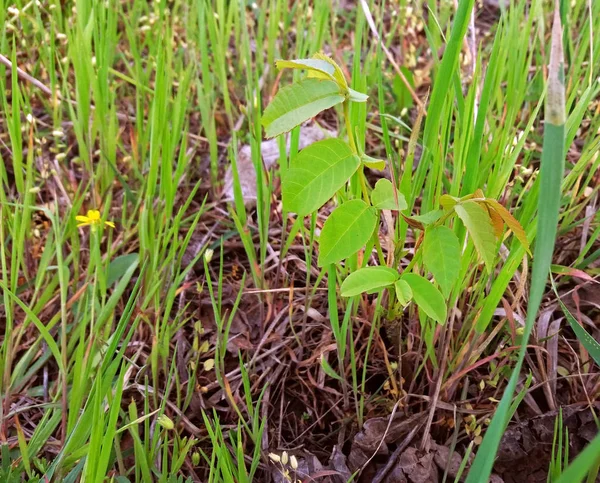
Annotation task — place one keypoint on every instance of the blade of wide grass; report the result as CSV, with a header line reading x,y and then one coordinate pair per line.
x,y
439,98
551,173
586,461
586,339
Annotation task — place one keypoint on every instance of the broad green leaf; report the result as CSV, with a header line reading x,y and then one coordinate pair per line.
x,y
357,96
298,102
368,279
429,218
427,297
119,266
384,196
346,231
510,221
441,255
481,230
315,175
403,292
372,163
316,65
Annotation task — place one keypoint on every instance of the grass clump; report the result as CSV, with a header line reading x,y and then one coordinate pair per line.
x,y
393,272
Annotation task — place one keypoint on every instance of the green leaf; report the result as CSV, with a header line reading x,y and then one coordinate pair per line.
x,y
372,163
427,297
583,464
384,196
480,229
315,175
44,332
429,217
403,292
119,266
356,96
401,92
327,369
448,202
368,279
299,102
441,255
590,344
510,221
346,231
317,65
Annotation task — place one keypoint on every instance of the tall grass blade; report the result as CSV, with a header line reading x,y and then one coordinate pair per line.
x,y
551,173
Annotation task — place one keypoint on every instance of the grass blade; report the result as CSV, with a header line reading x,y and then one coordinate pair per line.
x,y
551,173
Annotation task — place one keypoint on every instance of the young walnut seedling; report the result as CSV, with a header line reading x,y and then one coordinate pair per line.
x,y
319,171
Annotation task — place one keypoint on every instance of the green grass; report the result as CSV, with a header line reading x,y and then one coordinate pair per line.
x,y
216,315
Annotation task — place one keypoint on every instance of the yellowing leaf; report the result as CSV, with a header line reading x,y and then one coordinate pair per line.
x,y
368,279
315,65
372,163
338,74
448,201
511,222
297,103
209,364
479,194
480,228
346,231
315,175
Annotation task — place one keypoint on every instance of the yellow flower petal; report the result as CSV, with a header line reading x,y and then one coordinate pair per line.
x,y
82,218
109,223
93,215
82,224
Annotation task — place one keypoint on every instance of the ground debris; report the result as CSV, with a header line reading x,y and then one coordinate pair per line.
x,y
309,466
445,459
309,134
526,448
415,467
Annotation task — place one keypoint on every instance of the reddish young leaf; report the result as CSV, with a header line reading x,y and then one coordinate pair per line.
x,y
511,221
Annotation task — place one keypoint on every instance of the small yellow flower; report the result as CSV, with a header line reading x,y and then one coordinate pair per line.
x,y
92,218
